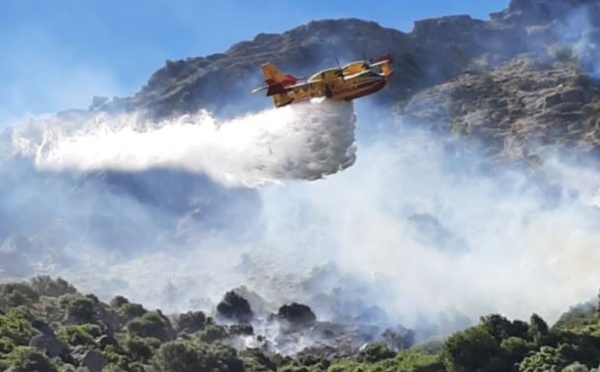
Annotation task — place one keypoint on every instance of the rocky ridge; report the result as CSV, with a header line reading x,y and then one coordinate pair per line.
x,y
521,110
527,75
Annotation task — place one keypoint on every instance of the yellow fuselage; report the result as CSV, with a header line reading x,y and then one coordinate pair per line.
x,y
331,85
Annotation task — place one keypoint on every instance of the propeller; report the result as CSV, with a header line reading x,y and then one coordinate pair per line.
x,y
339,72
367,64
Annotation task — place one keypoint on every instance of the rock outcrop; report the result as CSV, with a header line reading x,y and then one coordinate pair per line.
x,y
517,111
525,76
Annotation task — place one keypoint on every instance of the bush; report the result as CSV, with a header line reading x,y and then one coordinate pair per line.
x,y
16,326
413,361
470,350
213,333
151,324
17,294
235,307
79,309
191,322
79,335
375,352
6,346
188,356
127,310
141,349
546,359
27,359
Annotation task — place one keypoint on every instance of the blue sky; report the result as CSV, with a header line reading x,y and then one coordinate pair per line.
x,y
58,54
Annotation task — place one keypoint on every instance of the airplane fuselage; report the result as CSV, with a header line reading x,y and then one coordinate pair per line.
x,y
356,79
337,90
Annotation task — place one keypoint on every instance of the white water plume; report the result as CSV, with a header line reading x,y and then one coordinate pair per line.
x,y
303,141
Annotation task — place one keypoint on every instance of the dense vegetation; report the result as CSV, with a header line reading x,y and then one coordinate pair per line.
x,y
46,325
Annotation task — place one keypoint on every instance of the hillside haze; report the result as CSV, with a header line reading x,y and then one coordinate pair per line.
x,y
468,185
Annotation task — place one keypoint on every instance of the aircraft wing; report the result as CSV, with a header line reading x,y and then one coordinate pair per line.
x,y
286,87
256,90
378,63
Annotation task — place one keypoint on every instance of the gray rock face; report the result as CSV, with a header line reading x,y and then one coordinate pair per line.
x,y
516,110
524,76
93,360
49,345
436,50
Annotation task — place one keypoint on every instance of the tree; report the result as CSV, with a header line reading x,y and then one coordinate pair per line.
x,y
235,307
538,330
501,328
151,324
141,349
17,294
191,322
79,309
515,348
188,356
470,350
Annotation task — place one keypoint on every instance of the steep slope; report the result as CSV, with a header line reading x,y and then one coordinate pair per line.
x,y
519,111
435,51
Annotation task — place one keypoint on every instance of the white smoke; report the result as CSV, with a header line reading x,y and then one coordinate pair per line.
x,y
409,234
303,141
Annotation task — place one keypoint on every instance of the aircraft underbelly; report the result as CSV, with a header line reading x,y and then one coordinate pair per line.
x,y
363,89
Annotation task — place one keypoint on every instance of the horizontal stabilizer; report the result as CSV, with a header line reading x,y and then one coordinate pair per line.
x,y
256,90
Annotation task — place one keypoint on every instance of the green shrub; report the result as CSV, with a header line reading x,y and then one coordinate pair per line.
x,y
189,356
151,324
375,352
79,335
470,350
78,308
17,294
141,349
27,359
16,326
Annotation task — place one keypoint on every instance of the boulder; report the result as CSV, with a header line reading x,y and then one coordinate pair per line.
x,y
49,345
297,315
93,360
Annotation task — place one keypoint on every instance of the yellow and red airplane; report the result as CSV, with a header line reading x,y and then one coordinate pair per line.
x,y
354,80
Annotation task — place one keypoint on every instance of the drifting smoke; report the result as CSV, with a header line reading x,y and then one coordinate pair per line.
x,y
305,141
409,234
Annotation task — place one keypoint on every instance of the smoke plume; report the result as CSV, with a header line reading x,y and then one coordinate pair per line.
x,y
411,234
175,213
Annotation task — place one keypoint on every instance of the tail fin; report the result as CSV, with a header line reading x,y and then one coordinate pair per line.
x,y
386,69
384,62
277,82
273,76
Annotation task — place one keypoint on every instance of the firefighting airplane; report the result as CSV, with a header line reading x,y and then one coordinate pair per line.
x,y
354,80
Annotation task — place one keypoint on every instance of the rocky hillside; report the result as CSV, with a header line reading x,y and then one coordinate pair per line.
x,y
46,325
521,110
435,51
527,75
